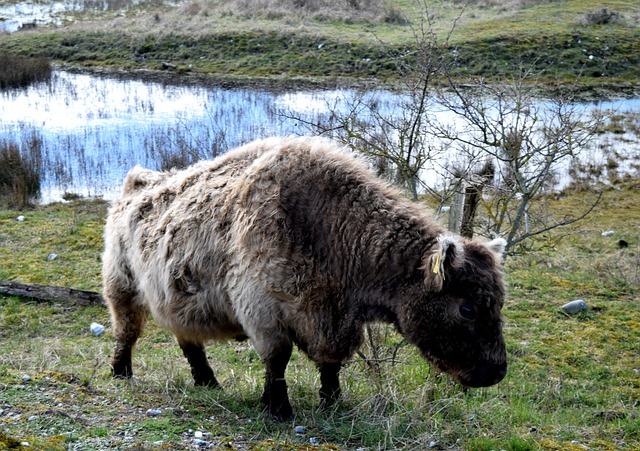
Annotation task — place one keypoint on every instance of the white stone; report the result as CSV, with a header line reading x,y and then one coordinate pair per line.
x,y
96,329
575,306
153,412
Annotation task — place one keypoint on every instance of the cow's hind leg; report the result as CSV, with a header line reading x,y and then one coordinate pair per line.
x,y
329,383
128,318
200,368
275,396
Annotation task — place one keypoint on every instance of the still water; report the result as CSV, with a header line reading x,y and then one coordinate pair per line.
x,y
93,129
35,13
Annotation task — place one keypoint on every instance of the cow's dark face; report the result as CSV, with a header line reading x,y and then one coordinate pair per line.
x,y
457,324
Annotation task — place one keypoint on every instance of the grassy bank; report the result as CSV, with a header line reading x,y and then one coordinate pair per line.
x,y
572,382
336,40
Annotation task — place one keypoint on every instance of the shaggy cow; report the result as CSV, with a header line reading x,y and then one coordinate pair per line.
x,y
292,240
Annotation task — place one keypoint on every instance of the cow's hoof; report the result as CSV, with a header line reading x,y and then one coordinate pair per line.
x,y
328,397
280,414
209,383
121,372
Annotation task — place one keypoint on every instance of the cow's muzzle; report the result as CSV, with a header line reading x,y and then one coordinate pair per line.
x,y
484,374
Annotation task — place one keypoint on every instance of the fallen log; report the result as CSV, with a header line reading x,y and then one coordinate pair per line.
x,y
51,293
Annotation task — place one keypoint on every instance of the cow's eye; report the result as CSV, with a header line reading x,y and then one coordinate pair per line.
x,y
468,312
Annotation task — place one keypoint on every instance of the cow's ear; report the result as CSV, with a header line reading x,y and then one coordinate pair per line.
x,y
446,254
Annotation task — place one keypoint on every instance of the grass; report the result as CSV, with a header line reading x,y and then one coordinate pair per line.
x,y
332,41
572,382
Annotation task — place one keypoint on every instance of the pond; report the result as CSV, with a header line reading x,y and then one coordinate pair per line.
x,y
90,130
93,129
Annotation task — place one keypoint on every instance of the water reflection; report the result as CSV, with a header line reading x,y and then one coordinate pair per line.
x,y
31,14
94,129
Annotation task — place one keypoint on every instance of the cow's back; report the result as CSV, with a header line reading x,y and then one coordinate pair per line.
x,y
186,241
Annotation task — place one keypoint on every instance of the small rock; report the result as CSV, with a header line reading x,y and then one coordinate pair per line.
x,y
25,444
20,218
314,441
26,378
153,412
198,442
96,329
158,443
52,257
299,429
432,444
574,307
198,434
608,233
32,418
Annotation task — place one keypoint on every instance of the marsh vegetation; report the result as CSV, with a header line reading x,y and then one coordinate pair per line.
x,y
18,71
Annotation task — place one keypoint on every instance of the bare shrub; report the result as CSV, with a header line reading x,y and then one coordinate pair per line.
x,y
192,8
394,15
502,128
601,16
621,268
19,71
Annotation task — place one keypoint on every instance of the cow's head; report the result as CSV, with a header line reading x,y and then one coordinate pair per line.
x,y
457,322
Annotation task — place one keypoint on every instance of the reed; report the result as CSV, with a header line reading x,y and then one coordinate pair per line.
x,y
20,172
19,71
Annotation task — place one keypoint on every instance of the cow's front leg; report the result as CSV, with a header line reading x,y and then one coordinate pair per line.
x,y
329,383
275,396
197,358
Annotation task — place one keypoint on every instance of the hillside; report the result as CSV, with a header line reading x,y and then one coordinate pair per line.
x,y
332,41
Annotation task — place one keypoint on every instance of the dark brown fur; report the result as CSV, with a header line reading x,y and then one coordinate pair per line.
x,y
291,240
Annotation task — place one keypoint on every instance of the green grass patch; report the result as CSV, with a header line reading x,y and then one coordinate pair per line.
x,y
573,381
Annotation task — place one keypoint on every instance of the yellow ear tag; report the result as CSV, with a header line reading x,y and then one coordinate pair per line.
x,y
436,265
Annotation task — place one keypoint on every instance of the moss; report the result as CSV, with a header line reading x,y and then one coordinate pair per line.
x,y
7,442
